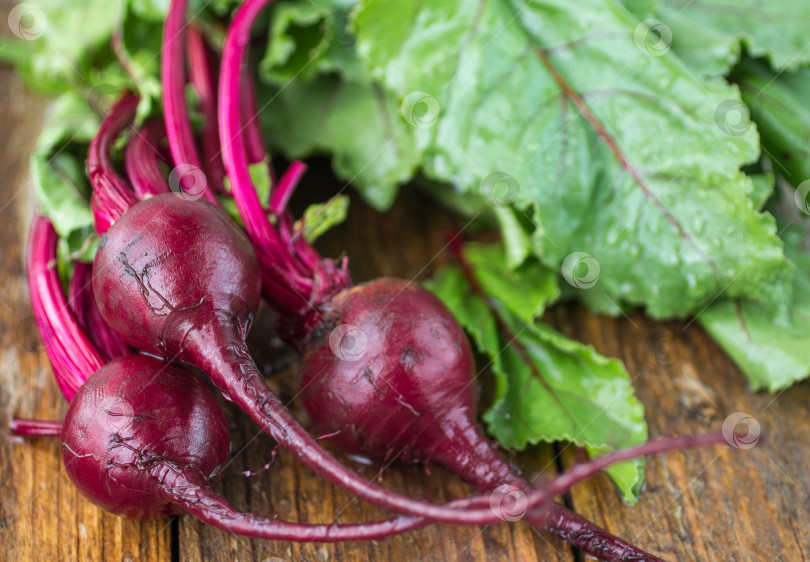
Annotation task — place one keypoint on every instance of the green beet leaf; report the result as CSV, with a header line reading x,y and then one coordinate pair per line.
x,y
566,391
601,138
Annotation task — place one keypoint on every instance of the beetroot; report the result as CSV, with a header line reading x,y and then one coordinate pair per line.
x,y
399,384
132,431
172,275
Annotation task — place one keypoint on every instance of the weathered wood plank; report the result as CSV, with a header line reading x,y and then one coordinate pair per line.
x,y
714,504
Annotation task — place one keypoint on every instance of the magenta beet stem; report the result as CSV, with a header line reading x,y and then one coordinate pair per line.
x,y
35,428
175,109
71,353
195,496
112,195
282,192
203,76
292,282
142,160
251,128
85,311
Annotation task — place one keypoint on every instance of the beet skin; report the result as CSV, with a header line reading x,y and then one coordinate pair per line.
x,y
135,424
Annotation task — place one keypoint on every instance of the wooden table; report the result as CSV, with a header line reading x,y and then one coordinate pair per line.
x,y
715,504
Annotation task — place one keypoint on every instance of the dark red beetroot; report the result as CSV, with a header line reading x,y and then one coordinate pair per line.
x,y
389,370
136,424
172,274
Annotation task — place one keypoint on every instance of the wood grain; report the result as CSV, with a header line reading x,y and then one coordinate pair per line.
x,y
708,505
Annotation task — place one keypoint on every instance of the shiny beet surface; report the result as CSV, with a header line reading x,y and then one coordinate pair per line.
x,y
390,368
170,267
134,422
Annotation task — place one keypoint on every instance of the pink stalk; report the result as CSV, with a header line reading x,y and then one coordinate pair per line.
x,y
112,195
175,109
280,196
142,159
288,280
251,129
201,63
85,310
35,428
72,355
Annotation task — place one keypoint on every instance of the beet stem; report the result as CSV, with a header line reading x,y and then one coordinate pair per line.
x,y
309,282
198,498
286,186
254,143
35,428
112,195
88,316
142,160
202,75
175,109
71,353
